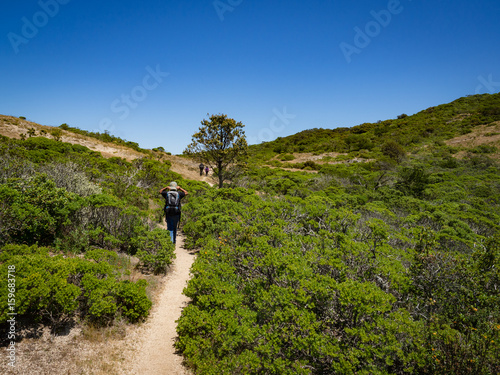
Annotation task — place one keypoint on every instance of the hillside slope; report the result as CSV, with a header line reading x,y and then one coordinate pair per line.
x,y
476,117
14,127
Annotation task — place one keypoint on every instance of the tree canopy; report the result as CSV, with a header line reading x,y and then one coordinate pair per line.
x,y
219,142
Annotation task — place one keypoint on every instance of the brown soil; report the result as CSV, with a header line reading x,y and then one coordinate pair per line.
x,y
480,135
316,158
309,156
188,169
13,127
155,340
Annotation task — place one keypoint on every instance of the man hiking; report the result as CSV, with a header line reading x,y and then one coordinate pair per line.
x,y
201,169
206,170
173,207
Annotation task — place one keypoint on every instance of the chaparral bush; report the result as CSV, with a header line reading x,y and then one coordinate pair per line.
x,y
321,282
53,289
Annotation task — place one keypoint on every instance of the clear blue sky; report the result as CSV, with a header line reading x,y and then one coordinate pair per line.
x,y
150,70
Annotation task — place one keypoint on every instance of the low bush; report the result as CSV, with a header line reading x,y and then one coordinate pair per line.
x,y
53,289
286,157
388,283
156,251
34,210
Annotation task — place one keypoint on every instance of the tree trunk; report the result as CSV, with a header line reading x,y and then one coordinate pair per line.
x,y
221,174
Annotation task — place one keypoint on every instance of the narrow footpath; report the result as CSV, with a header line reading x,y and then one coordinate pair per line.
x,y
156,354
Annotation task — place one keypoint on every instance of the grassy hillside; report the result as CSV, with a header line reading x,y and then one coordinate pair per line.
x,y
434,124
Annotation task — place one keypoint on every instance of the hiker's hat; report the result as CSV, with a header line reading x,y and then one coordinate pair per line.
x,y
173,186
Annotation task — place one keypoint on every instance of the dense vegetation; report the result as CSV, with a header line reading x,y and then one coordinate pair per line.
x,y
368,140
69,220
345,281
390,266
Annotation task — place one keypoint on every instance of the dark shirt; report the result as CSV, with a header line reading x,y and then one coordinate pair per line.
x,y
181,195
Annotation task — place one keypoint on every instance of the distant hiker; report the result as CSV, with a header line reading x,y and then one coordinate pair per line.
x,y
173,207
201,169
206,170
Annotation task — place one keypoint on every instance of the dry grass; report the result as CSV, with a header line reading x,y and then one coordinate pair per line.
x,y
83,349
13,127
309,156
480,135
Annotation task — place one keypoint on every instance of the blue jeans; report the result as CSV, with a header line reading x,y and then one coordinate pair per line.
x,y
172,223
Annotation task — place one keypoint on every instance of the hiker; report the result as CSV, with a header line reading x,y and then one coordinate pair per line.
x,y
206,170
173,207
201,169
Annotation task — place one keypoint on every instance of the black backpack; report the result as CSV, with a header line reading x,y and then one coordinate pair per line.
x,y
173,203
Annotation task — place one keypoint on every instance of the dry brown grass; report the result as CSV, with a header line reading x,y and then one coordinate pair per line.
x,y
83,349
79,352
309,156
13,127
480,135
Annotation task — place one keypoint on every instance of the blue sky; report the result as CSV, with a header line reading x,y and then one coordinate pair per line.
x,y
149,71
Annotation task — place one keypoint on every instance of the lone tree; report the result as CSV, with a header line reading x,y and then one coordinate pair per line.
x,y
219,142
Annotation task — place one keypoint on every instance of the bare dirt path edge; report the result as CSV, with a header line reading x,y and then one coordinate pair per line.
x,y
156,352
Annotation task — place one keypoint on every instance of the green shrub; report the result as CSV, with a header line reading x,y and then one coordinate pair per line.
x,y
11,250
133,301
393,150
101,255
53,289
34,210
343,283
286,157
484,149
156,251
413,180
100,299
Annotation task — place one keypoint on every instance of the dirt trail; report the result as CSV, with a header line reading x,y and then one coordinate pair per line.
x,y
188,169
156,354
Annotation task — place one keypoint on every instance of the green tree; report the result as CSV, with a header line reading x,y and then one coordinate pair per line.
x,y
56,134
219,142
393,150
